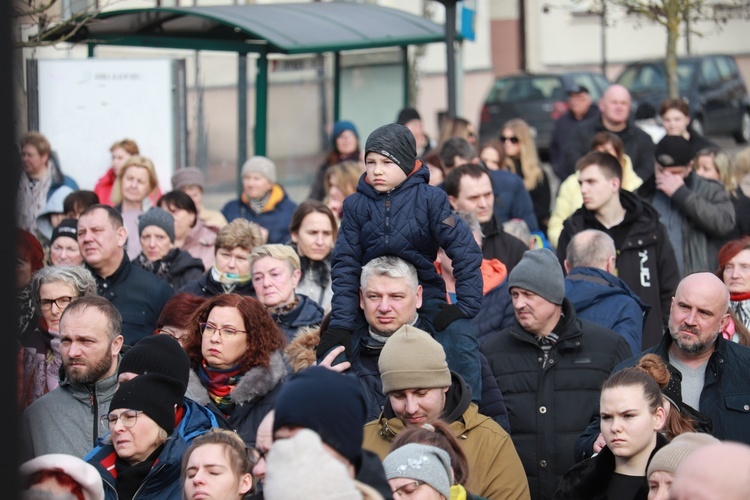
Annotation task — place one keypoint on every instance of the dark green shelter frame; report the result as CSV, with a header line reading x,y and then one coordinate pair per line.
x,y
301,28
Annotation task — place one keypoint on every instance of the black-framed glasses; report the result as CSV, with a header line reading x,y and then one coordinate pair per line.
x,y
225,333
60,302
128,418
513,139
255,455
407,489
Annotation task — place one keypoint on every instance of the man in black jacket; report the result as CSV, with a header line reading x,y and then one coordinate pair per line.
x,y
579,109
614,107
715,373
549,365
137,294
645,258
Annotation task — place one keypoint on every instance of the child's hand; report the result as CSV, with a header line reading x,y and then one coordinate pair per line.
x,y
447,315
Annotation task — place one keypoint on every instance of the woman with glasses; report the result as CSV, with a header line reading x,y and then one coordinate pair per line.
x,y
520,149
419,471
52,289
237,365
141,457
174,319
217,465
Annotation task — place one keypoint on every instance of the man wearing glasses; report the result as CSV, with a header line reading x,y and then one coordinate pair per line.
x,y
66,420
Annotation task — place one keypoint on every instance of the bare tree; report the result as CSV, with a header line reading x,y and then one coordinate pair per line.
x,y
49,22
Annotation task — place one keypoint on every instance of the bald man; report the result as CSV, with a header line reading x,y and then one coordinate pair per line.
x,y
715,372
717,471
614,116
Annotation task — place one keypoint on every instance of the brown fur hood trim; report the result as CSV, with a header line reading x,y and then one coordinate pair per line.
x,y
300,352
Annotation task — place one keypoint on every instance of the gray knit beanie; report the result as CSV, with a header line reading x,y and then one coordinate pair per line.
x,y
422,463
673,454
157,217
412,359
395,142
539,272
260,165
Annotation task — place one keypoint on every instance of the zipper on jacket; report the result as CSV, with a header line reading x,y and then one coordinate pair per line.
x,y
95,413
387,219
149,476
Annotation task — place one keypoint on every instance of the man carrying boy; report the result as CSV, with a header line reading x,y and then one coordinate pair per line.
x,y
396,212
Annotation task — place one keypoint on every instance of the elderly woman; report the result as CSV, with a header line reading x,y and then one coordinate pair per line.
x,y
136,182
237,365
141,455
64,248
52,288
231,270
263,200
276,271
734,270
191,233
159,255
314,230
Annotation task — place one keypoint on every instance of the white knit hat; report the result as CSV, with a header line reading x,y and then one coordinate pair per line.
x,y
82,472
299,467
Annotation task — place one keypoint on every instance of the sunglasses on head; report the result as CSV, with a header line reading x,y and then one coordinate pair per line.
x,y
513,139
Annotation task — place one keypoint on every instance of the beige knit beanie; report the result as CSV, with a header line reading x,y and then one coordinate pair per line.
x,y
412,359
673,454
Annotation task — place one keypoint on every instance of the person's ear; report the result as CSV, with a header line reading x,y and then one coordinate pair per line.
x,y
566,266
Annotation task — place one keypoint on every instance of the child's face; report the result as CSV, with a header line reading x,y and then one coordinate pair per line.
x,y
382,173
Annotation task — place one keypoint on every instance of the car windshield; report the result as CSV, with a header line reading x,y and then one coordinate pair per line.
x,y
652,77
527,89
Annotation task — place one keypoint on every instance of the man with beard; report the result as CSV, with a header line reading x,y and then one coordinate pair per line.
x,y
67,419
715,373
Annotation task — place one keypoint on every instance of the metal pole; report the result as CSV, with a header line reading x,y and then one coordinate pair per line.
x,y
450,36
604,38
261,105
241,117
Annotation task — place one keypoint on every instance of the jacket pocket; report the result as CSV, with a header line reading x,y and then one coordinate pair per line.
x,y
738,402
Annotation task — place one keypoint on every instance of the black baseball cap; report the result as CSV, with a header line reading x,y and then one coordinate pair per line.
x,y
577,89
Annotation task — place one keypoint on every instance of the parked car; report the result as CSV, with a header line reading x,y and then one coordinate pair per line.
x,y
712,85
537,98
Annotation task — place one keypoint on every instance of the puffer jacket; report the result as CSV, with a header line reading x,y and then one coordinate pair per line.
x,y
707,215
606,300
163,480
411,221
550,397
275,216
496,471
254,396
645,258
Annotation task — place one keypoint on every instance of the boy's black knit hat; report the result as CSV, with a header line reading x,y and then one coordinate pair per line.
x,y
395,142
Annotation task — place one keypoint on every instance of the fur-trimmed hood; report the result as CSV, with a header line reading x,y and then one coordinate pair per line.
x,y
300,352
256,383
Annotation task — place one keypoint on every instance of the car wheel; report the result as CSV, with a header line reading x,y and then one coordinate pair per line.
x,y
742,135
697,125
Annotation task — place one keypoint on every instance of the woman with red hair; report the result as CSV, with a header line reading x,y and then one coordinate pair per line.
x,y
734,270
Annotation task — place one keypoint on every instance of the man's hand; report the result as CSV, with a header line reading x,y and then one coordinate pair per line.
x,y
599,443
668,182
328,360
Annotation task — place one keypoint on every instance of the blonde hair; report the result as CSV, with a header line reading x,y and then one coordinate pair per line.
x,y
284,253
239,233
530,168
346,174
723,165
135,161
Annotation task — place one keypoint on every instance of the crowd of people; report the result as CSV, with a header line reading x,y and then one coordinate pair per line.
x,y
438,319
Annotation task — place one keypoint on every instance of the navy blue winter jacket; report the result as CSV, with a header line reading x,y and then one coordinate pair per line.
x,y
411,221
276,214
512,201
606,300
307,313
